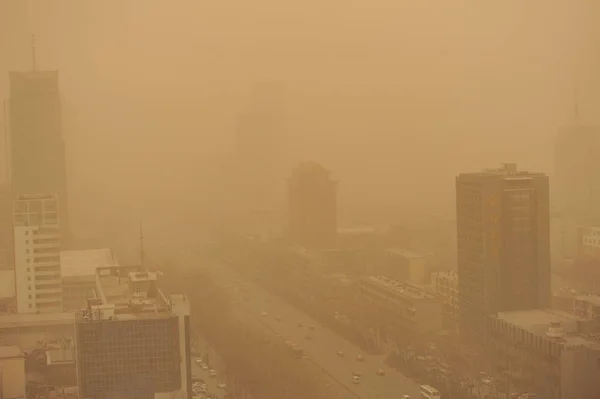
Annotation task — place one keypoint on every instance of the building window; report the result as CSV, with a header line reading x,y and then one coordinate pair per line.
x,y
29,269
29,296
26,233
28,278
30,306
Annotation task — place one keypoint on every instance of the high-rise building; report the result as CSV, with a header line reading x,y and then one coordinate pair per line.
x,y
503,244
7,263
576,192
312,206
37,254
37,151
133,341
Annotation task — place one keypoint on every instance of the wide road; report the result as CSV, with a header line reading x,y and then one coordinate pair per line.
x,y
324,344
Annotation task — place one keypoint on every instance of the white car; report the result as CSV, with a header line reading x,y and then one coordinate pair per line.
x,y
212,373
355,379
204,366
221,386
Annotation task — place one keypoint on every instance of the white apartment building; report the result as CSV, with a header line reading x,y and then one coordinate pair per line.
x,y
37,254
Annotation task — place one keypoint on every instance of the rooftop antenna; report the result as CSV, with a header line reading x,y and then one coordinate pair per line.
x,y
33,57
142,243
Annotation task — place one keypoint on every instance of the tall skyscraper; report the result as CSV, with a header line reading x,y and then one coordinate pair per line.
x,y
258,147
503,244
37,254
576,192
37,151
312,206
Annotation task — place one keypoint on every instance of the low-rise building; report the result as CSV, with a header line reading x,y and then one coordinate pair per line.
x,y
587,306
445,286
553,353
398,311
404,265
12,364
589,242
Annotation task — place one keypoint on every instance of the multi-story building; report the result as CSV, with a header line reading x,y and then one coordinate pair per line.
x,y
577,182
312,207
7,262
79,275
587,306
552,353
589,242
445,286
37,254
37,151
404,265
133,341
503,244
398,312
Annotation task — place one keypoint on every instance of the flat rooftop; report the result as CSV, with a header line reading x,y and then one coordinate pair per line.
x,y
405,253
537,321
402,289
35,320
591,299
85,263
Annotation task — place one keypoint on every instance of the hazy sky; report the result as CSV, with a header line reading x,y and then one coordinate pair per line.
x,y
395,96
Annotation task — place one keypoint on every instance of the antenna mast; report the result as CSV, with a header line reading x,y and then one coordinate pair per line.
x,y
33,55
142,243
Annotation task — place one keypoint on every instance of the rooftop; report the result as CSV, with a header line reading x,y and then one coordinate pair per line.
x,y
537,321
402,289
84,263
507,171
35,320
405,253
10,351
591,299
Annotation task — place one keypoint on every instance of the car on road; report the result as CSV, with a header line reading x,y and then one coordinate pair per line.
x,y
278,318
360,358
199,360
212,373
405,396
380,372
221,386
340,353
356,379
264,314
312,327
356,374
204,366
308,337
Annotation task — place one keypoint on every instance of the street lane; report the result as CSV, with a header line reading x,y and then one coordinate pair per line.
x,y
323,347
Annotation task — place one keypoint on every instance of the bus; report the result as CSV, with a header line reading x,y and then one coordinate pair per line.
x,y
429,392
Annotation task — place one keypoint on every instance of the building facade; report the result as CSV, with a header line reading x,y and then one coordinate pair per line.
x,y
133,341
404,265
37,254
445,286
37,150
312,207
398,312
503,244
551,353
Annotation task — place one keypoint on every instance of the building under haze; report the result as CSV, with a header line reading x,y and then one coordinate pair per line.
x,y
312,207
36,148
132,341
576,188
503,244
37,254
7,263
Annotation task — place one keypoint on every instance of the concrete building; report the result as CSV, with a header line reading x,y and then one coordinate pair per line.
x,y
588,239
404,265
312,207
503,244
12,365
552,353
79,275
133,341
445,286
37,151
587,306
37,254
7,263
398,311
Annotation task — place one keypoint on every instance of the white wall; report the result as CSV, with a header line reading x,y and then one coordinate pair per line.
x,y
23,251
